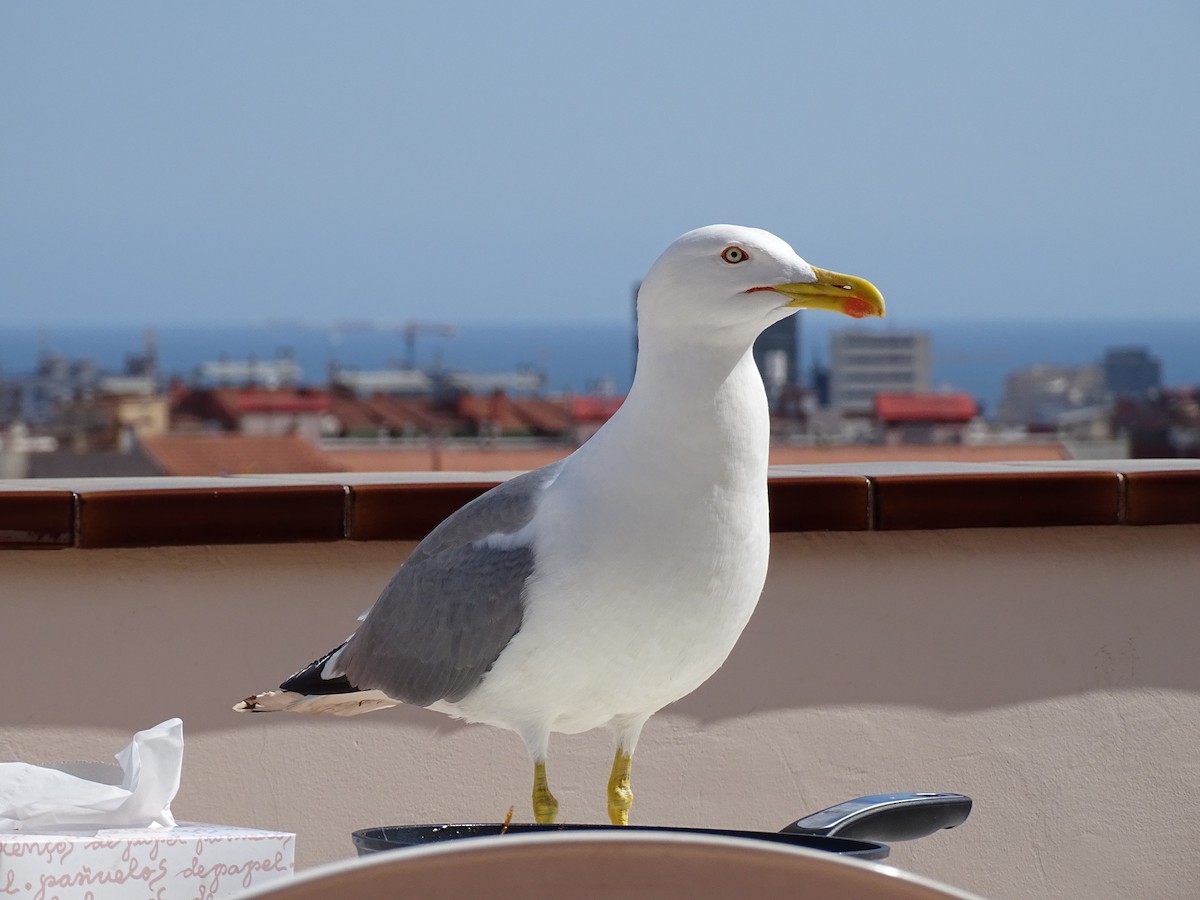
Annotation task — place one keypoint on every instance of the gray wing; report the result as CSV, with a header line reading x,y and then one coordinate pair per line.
x,y
455,603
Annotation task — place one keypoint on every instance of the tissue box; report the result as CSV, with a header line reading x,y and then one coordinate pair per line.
x,y
187,862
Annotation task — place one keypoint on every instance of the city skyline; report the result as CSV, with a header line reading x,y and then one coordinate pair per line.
x,y
971,356
174,164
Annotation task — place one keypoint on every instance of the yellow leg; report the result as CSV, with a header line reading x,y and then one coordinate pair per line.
x,y
620,794
545,807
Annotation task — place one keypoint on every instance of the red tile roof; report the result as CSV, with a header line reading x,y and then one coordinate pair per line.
x,y
539,415
542,415
228,405
259,400
938,407
494,410
402,414
353,414
470,413
594,409
235,454
545,416
435,457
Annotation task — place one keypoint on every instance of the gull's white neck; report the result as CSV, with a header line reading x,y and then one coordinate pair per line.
x,y
694,412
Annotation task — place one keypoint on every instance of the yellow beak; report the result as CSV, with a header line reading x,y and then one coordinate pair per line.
x,y
846,294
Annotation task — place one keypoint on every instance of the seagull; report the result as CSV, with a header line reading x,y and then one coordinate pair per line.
x,y
596,590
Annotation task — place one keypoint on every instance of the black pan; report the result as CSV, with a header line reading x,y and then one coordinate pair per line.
x,y
855,828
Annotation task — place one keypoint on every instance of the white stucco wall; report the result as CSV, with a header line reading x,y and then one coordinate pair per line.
x,y
1051,674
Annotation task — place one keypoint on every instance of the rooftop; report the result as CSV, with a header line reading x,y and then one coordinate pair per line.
x,y
925,407
235,454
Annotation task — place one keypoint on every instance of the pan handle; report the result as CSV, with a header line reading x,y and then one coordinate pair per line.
x,y
886,817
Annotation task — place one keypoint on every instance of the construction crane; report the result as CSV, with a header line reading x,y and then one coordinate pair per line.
x,y
412,329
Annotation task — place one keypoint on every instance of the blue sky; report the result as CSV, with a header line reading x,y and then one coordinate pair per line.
x,y
178,162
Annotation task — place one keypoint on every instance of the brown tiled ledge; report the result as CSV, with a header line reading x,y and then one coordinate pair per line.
x,y
37,519
148,512
267,514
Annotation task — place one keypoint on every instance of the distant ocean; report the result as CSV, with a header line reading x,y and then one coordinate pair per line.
x,y
974,356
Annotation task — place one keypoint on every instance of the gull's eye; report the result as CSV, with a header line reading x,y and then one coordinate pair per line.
x,y
734,255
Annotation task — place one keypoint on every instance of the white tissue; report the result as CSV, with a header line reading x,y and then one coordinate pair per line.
x,y
37,798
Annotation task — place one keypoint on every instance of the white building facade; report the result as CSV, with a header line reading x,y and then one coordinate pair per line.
x,y
863,364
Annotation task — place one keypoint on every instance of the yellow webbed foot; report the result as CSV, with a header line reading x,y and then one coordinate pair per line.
x,y
545,807
620,793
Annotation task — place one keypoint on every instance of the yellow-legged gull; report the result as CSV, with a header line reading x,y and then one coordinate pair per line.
x,y
595,591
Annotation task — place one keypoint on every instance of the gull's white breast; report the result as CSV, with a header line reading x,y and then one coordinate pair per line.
x,y
650,558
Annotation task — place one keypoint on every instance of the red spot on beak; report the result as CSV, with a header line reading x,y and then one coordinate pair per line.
x,y
753,290
858,308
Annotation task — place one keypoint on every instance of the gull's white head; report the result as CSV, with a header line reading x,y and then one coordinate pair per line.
x,y
729,282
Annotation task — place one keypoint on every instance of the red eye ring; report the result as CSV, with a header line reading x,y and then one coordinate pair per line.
x,y
733,254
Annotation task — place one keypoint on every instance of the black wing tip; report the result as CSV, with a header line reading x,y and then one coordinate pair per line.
x,y
310,682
